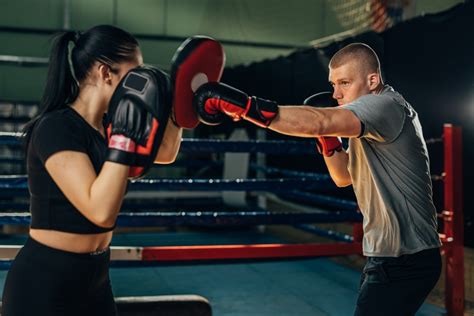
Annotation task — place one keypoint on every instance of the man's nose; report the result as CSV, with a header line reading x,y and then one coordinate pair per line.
x,y
336,94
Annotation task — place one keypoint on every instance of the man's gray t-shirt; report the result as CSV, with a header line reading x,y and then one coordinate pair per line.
x,y
389,167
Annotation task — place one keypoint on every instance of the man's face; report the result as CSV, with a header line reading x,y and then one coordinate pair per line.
x,y
349,82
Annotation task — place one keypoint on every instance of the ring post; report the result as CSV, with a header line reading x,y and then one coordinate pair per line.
x,y
453,220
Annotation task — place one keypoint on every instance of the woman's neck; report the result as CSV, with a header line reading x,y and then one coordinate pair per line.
x,y
91,107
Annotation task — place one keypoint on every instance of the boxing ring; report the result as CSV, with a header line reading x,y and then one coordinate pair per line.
x,y
215,245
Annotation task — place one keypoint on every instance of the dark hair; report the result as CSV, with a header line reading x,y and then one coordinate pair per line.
x,y
72,56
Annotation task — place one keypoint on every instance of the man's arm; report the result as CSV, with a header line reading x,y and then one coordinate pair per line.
x,y
213,100
337,167
307,121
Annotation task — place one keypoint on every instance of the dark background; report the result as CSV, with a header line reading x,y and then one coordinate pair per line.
x,y
427,59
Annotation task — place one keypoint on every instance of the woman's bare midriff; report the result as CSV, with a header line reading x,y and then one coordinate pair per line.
x,y
78,243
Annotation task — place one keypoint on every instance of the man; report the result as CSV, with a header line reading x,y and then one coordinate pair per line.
x,y
386,162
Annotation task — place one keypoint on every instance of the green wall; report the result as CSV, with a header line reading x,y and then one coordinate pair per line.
x,y
295,22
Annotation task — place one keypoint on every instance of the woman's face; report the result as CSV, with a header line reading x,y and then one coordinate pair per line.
x,y
111,75
120,70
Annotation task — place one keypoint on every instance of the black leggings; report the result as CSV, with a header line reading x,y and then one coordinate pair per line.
x,y
397,286
47,281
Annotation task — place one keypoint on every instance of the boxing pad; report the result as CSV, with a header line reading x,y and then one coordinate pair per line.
x,y
138,113
199,59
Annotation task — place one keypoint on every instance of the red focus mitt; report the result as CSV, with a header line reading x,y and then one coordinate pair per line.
x,y
199,59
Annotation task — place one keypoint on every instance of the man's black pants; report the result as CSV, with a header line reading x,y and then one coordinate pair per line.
x,y
397,286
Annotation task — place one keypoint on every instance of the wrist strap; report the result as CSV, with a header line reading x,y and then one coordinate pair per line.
x,y
121,142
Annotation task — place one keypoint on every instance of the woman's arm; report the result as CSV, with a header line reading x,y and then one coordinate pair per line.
x,y
170,144
97,197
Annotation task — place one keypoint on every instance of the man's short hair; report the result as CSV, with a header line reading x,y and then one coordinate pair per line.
x,y
359,52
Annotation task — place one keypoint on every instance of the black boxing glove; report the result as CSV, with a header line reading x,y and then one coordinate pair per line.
x,y
138,114
213,100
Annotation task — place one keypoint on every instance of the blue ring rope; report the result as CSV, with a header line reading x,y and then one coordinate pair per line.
x,y
8,184
331,234
209,218
290,147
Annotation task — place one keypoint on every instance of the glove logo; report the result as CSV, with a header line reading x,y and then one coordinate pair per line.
x,y
122,142
135,81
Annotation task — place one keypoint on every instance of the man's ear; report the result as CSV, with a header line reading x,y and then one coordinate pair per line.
x,y
105,73
373,81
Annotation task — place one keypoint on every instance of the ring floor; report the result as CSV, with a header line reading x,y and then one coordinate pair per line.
x,y
315,286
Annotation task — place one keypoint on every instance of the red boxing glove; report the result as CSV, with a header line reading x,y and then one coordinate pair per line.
x,y
326,145
214,99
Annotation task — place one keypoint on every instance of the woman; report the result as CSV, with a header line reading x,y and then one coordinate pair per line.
x,y
75,195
